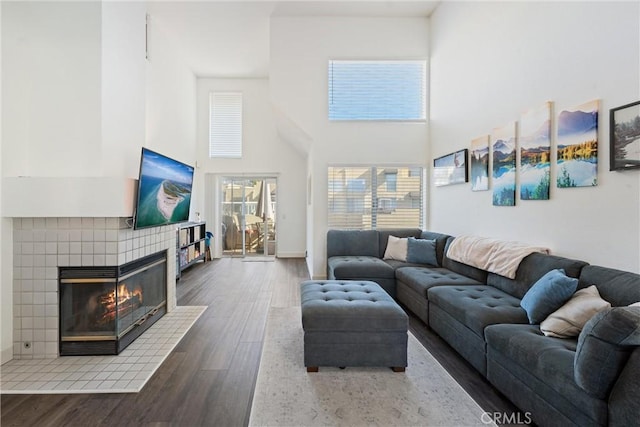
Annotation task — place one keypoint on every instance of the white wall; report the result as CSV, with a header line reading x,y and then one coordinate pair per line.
x,y
74,76
122,79
170,102
6,261
491,62
300,50
51,78
263,153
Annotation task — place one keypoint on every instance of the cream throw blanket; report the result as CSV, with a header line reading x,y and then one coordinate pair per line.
x,y
496,256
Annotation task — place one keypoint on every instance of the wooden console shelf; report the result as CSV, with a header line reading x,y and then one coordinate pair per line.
x,y
190,245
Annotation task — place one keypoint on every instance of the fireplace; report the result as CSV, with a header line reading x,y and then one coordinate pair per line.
x,y
104,309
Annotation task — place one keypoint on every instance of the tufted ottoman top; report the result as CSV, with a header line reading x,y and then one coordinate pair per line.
x,y
349,305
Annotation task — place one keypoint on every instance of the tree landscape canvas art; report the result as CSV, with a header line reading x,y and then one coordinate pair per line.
x,y
535,153
625,136
504,165
578,146
480,164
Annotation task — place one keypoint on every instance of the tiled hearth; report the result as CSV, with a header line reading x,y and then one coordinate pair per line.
x,y
124,373
41,245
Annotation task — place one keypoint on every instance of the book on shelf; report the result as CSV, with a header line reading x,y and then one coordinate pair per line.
x,y
184,237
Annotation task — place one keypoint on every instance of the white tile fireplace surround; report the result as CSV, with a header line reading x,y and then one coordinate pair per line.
x,y
41,245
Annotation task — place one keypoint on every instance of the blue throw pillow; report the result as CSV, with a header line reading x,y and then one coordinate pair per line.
x,y
421,251
547,295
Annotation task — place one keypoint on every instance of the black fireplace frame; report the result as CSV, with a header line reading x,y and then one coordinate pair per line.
x,y
113,344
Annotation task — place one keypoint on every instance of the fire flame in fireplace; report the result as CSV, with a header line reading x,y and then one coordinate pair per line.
x,y
120,303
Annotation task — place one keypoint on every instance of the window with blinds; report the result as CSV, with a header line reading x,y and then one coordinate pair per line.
x,y
371,197
225,124
377,90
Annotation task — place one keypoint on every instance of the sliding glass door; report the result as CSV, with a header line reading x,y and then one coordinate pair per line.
x,y
248,216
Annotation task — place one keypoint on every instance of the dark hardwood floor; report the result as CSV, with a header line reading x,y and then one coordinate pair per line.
x,y
208,379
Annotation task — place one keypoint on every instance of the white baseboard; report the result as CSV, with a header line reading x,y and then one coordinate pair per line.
x,y
6,355
281,254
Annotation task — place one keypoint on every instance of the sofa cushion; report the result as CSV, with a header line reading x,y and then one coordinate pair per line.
x,y
604,346
441,242
420,279
477,306
532,268
396,249
458,267
624,405
358,267
568,320
422,251
395,264
548,294
383,236
547,359
616,286
352,242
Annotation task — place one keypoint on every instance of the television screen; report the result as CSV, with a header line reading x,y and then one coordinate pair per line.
x,y
164,191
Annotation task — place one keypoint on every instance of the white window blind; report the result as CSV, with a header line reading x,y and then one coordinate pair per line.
x,y
225,124
359,197
377,90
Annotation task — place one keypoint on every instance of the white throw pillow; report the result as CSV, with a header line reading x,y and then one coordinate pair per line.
x,y
568,320
396,248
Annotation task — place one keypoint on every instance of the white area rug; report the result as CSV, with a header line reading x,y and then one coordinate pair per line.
x,y
127,372
286,395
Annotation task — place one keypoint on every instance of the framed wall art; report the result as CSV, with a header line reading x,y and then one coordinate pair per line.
x,y
624,128
451,169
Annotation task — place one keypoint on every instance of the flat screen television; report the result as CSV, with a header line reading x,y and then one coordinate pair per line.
x,y
164,191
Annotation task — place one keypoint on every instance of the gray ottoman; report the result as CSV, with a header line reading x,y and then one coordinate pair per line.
x,y
352,323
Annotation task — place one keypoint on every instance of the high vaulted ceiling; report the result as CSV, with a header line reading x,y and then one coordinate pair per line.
x,y
231,38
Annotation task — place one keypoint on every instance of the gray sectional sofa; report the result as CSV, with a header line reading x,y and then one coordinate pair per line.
x,y
593,379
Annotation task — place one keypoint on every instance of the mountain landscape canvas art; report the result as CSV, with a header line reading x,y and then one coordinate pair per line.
x,y
480,164
504,166
578,146
535,153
